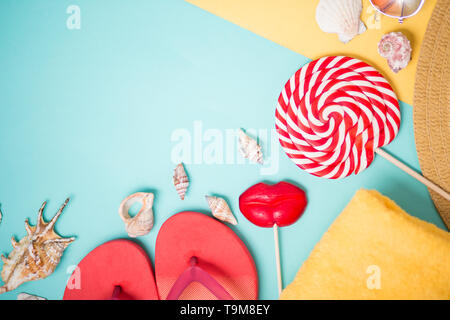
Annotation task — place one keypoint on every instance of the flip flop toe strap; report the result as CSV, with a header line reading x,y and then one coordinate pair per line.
x,y
119,294
195,273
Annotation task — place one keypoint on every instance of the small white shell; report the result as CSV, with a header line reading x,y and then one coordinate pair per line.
x,y
249,148
142,222
220,209
26,296
395,47
341,17
180,180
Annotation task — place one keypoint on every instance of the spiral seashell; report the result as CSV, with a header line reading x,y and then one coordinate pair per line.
x,y
341,17
36,255
26,296
220,209
249,148
142,222
395,47
180,180
333,113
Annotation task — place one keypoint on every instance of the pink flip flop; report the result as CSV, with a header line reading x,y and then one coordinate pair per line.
x,y
199,258
116,270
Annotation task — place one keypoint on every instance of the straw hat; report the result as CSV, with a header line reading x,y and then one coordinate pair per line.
x,y
431,105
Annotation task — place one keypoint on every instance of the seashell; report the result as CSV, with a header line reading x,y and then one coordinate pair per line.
x,y
249,148
26,296
36,255
341,17
220,209
180,180
142,222
395,47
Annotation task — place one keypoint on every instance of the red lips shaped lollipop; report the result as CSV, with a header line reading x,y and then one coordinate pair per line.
x,y
274,206
265,205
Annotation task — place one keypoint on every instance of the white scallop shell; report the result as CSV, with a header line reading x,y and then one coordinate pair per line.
x,y
220,209
341,17
26,296
142,222
180,180
249,148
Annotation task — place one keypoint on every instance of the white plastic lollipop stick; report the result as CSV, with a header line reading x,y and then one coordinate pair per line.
x,y
414,174
277,258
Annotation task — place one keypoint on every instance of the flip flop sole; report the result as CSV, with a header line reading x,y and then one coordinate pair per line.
x,y
220,252
115,263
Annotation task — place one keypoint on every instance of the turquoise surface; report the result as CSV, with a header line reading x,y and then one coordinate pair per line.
x,y
97,114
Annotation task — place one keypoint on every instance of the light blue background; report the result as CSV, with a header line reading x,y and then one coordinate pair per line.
x,y
89,114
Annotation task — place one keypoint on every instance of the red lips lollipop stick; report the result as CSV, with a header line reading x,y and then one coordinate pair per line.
x,y
273,206
277,258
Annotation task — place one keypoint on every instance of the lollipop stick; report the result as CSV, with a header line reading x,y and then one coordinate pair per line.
x,y
414,174
277,257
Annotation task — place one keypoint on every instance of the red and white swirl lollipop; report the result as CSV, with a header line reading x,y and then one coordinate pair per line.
x,y
334,113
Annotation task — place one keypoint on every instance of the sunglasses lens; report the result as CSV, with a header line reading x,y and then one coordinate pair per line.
x,y
397,8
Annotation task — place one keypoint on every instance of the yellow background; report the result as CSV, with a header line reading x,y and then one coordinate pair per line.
x,y
291,23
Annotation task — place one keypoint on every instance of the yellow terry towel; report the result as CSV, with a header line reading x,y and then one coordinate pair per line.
x,y
375,250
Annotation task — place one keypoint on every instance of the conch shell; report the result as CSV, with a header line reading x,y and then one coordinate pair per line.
x,y
26,296
395,47
220,209
142,222
249,148
341,17
180,180
36,255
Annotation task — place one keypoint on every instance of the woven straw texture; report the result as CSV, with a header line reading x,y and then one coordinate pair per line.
x,y
431,105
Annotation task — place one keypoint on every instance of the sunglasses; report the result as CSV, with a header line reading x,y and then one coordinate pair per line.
x,y
398,9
